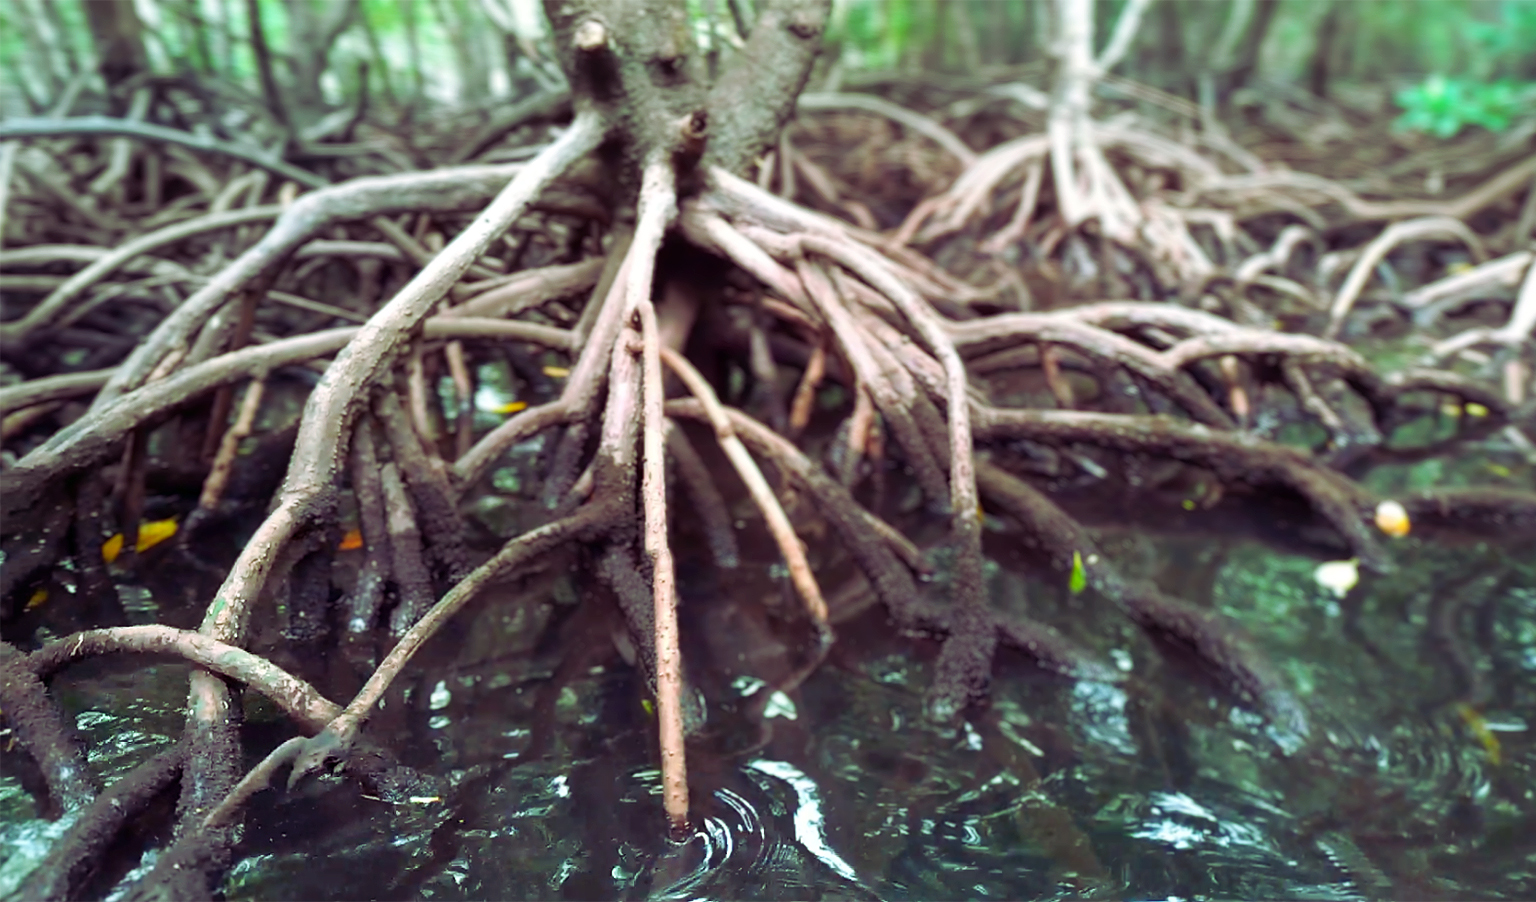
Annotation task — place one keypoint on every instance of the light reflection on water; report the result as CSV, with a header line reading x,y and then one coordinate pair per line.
x,y
1056,790
1098,713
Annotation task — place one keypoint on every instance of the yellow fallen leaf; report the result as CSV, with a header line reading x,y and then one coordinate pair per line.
x,y
557,372
37,599
351,540
1475,409
1479,728
510,408
151,533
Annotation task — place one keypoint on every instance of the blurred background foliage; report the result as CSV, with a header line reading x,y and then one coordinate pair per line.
x,y
1448,64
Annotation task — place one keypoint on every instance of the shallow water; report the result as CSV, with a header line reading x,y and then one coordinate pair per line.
x,y
1159,787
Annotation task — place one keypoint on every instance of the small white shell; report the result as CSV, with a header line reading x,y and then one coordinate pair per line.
x,y
1338,577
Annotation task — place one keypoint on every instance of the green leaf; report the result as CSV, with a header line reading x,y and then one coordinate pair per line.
x,y
1078,581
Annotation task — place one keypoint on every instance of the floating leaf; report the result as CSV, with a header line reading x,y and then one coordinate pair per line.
x,y
37,599
151,533
1479,727
1078,581
557,372
512,407
351,540
1392,519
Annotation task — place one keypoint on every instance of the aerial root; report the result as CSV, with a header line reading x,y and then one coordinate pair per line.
x,y
810,263
943,441
40,728
428,492
1394,235
1217,640
75,856
1233,458
1517,329
229,445
876,316
307,497
817,272
708,503
96,436
362,604
783,533
657,209
255,780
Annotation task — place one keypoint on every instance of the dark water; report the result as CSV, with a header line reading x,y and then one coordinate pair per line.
x,y
1158,787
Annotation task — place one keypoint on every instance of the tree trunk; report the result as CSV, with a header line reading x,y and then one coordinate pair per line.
x,y
119,38
1322,55
1246,61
